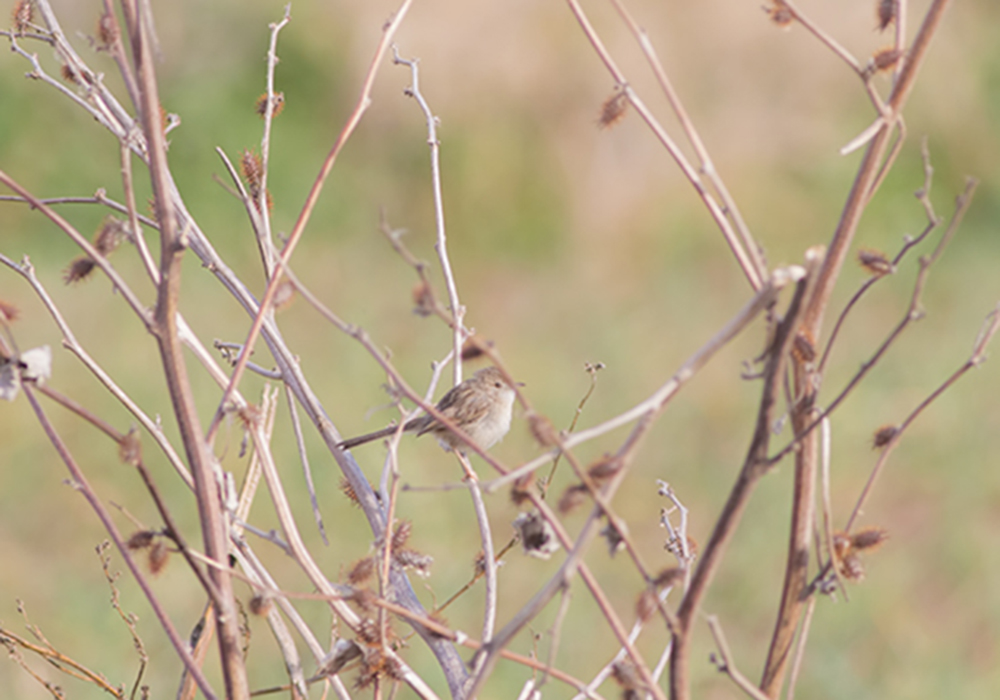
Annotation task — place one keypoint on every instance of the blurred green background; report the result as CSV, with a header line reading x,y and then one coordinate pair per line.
x,y
571,245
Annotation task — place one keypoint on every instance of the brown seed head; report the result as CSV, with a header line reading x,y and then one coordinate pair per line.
x,y
79,270
261,604
869,538
604,468
110,235
475,347
401,534
875,262
669,577
361,571
542,430
613,110
780,14
130,447
418,563
277,104
348,490
519,492
140,540
573,497
21,16
851,568
645,605
885,58
158,556
107,32
284,295
883,436
423,299
885,12
804,346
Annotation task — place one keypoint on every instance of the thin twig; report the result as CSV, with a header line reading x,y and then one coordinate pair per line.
x,y
727,665
80,483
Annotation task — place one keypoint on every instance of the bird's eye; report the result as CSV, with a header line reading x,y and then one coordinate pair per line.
x,y
498,385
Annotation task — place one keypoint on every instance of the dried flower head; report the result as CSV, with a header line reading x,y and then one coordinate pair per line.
x,y
284,295
537,537
804,346
886,58
140,540
883,436
361,571
22,15
423,299
79,270
277,104
401,534
626,676
885,12
418,563
475,347
261,604
604,468
542,430
780,13
851,568
669,577
107,32
613,110
519,491
67,73
869,538
158,556
130,447
875,262
573,497
645,605
348,490
110,235
252,169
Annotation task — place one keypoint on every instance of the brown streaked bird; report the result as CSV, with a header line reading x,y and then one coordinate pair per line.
x,y
481,406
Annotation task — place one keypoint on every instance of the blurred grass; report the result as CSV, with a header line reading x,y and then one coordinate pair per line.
x,y
570,245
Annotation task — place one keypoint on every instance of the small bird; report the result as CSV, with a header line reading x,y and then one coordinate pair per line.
x,y
481,406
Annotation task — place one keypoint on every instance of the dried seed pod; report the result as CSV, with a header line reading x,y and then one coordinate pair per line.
x,y
875,262
542,430
261,604
613,110
361,571
573,497
645,606
604,468
884,435
140,539
869,538
780,14
158,556
130,448
277,104
519,491
885,12
537,537
885,58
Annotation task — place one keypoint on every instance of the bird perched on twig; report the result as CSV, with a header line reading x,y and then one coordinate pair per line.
x,y
481,406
